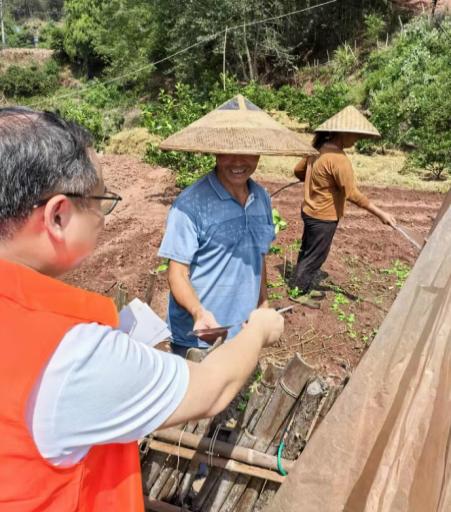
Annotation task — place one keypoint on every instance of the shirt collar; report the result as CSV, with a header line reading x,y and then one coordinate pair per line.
x,y
222,192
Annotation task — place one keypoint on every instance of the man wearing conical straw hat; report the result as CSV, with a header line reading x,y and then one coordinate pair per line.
x,y
329,183
219,229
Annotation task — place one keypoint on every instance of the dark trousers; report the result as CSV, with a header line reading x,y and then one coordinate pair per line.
x,y
316,241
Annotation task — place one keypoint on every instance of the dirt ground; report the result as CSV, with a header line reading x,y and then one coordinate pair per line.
x,y
367,264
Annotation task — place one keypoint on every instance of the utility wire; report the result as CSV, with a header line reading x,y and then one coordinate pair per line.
x,y
202,41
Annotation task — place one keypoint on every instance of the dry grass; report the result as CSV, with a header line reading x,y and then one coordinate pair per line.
x,y
375,170
131,142
23,57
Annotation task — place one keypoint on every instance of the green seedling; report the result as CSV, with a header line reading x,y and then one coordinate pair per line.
x,y
275,296
400,270
276,284
275,249
162,267
294,293
296,245
339,300
279,223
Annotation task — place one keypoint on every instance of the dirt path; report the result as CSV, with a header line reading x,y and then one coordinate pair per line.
x,y
367,263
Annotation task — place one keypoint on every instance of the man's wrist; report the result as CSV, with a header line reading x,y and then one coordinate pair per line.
x,y
257,331
196,312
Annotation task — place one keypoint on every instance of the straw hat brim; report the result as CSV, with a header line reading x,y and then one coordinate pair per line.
x,y
238,141
238,127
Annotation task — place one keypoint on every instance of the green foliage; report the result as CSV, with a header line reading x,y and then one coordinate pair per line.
x,y
294,293
168,115
325,101
344,62
407,86
279,223
100,123
190,167
400,270
348,318
276,284
29,81
275,296
375,26
163,266
83,18
275,249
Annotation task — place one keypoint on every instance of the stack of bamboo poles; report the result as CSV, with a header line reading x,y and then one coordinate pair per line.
x,y
243,468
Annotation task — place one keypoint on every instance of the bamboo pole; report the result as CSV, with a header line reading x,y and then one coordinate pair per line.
x,y
290,387
295,376
221,448
231,465
219,483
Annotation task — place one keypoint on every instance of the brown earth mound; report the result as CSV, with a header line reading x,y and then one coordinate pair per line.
x,y
367,264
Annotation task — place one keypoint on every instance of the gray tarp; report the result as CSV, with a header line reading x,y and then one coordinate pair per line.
x,y
385,445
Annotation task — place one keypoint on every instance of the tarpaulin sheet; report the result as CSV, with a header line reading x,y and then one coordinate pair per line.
x,y
385,444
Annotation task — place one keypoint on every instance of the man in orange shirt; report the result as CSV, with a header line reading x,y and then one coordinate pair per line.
x,y
63,355
329,183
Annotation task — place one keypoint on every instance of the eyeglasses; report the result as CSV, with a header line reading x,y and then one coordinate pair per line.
x,y
108,200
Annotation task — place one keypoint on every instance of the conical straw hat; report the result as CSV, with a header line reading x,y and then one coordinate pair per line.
x,y
349,120
241,128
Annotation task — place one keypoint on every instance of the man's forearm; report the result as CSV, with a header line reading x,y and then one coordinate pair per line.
x,y
183,292
235,360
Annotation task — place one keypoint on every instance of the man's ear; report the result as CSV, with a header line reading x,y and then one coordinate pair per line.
x,y
57,214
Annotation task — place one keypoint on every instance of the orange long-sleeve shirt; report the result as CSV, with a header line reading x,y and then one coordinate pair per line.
x,y
329,184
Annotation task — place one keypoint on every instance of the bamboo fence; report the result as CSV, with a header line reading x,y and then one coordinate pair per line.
x,y
210,466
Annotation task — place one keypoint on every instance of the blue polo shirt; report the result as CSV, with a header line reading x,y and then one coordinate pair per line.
x,y
223,243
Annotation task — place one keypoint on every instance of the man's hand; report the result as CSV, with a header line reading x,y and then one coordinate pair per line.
x,y
204,319
387,219
384,217
269,322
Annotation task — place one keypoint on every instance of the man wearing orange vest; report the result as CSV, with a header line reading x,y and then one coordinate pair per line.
x,y
76,392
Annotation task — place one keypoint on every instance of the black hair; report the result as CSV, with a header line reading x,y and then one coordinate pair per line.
x,y
40,154
321,138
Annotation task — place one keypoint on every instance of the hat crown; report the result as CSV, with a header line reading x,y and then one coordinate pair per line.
x,y
349,120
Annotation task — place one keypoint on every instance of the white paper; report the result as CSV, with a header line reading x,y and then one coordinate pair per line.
x,y
139,321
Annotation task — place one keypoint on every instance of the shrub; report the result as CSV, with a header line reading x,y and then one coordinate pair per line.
x,y
408,88
100,123
375,26
19,81
189,166
344,61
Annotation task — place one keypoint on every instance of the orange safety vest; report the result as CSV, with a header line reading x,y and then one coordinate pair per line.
x,y
36,312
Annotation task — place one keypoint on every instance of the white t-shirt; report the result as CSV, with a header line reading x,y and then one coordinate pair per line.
x,y
101,386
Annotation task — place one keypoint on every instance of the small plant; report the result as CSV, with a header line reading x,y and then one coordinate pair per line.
x,y
276,284
347,318
275,296
344,62
400,270
275,249
339,300
294,293
375,26
162,267
279,223
296,245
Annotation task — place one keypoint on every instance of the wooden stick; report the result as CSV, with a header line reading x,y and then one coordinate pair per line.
x,y
230,465
221,448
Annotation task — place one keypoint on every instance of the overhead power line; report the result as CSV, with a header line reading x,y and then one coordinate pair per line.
x,y
201,41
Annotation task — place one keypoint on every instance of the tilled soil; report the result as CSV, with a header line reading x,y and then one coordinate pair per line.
x,y
366,264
